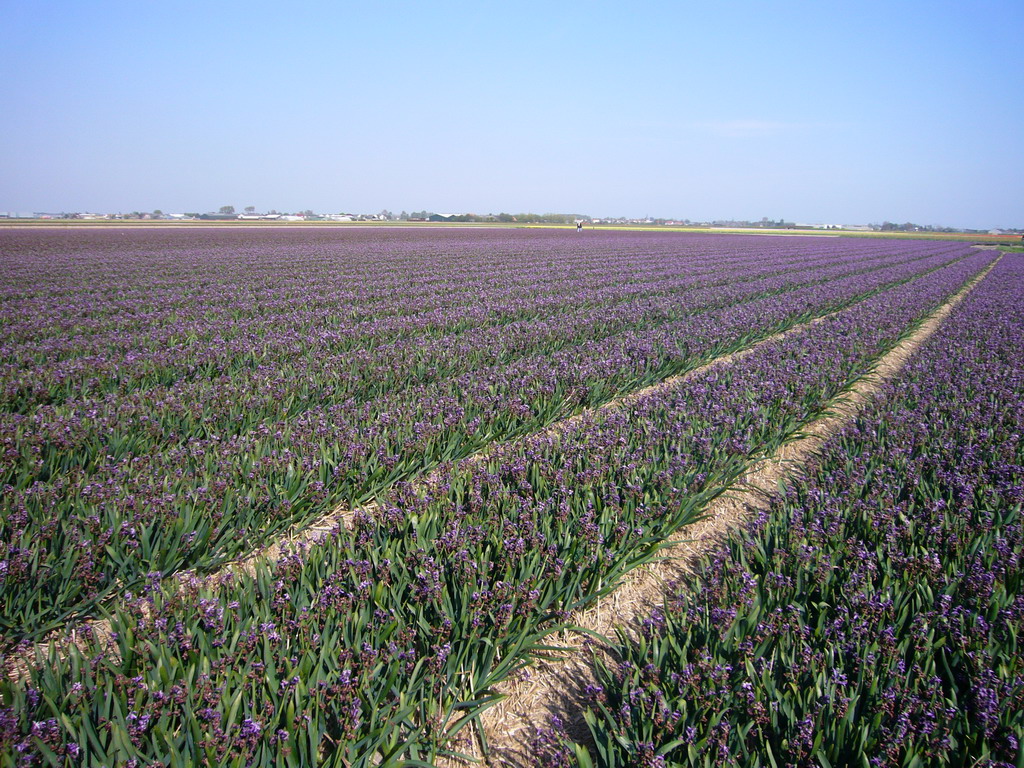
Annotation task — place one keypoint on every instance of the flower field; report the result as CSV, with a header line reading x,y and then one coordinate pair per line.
x,y
175,400
874,616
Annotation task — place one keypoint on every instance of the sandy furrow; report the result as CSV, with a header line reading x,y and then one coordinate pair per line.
x,y
555,685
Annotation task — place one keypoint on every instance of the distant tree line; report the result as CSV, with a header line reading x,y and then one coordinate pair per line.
x,y
764,223
508,218
888,226
545,218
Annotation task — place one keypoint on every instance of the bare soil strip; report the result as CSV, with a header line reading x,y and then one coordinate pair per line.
x,y
555,685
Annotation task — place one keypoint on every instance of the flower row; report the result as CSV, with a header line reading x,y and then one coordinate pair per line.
x,y
380,644
873,616
99,500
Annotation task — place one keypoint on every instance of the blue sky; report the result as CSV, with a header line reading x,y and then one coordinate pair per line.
x,y
818,112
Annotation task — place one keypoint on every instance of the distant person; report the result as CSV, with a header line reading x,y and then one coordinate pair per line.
x,y
579,226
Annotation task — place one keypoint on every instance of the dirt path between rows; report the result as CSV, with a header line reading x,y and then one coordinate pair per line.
x,y
556,685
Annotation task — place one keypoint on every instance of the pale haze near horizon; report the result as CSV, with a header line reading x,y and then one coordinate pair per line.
x,y
813,112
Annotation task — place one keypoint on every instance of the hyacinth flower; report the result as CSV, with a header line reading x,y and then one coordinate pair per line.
x,y
872,616
380,644
197,466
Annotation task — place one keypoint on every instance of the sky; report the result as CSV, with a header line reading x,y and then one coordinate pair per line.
x,y
817,112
